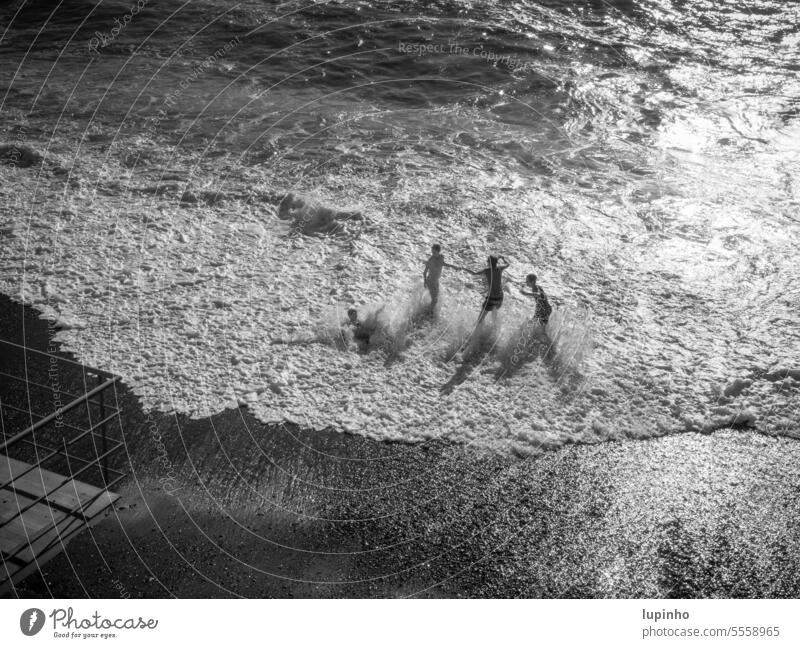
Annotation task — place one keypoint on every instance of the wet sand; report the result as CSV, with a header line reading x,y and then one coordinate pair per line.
x,y
228,506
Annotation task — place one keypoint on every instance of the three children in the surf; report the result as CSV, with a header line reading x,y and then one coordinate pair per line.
x,y
493,273
362,330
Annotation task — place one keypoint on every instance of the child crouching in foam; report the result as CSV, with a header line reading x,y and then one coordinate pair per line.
x,y
363,331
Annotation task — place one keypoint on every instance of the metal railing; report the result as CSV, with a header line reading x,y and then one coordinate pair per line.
x,y
97,432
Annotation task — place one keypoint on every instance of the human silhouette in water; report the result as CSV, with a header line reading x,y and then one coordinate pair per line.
x,y
433,271
543,308
493,273
364,330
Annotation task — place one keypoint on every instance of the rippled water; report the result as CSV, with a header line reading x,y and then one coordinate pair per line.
x,y
640,157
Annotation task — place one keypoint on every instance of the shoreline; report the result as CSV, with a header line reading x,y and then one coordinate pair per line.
x,y
278,511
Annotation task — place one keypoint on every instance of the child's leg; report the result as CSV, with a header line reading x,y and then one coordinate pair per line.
x,y
484,310
433,289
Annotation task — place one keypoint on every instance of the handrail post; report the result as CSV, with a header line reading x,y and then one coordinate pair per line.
x,y
103,430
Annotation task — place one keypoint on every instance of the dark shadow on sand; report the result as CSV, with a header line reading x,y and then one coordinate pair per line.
x,y
539,346
477,347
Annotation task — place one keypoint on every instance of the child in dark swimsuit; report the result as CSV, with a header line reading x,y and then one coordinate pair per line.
x,y
363,331
543,308
493,274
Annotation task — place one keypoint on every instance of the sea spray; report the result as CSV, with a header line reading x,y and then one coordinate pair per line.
x,y
571,338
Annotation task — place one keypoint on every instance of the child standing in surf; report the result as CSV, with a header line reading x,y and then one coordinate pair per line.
x,y
543,308
493,273
433,272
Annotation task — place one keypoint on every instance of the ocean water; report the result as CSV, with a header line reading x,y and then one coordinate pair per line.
x,y
640,157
